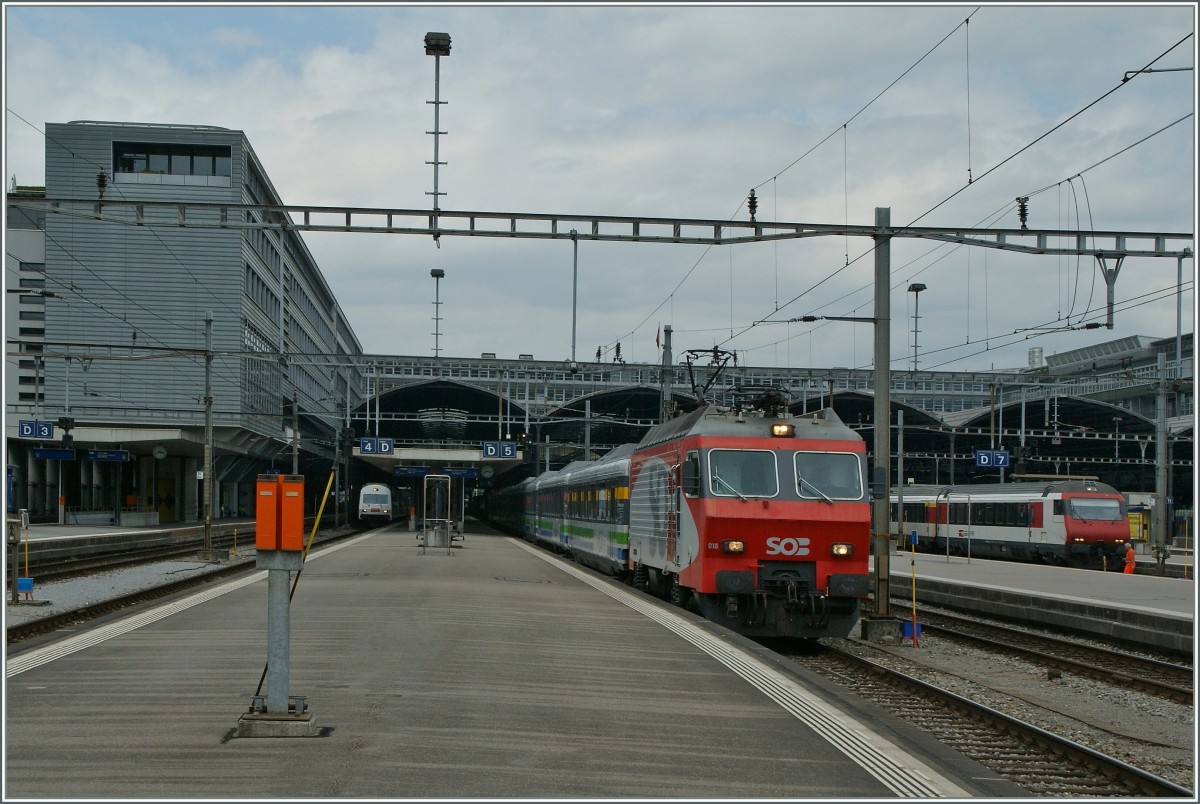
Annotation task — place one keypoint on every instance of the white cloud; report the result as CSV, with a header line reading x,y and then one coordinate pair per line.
x,y
670,112
235,38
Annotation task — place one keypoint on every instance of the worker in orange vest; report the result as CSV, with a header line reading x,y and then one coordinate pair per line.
x,y
1130,558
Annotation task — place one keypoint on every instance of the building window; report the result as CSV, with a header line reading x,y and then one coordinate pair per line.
x,y
179,159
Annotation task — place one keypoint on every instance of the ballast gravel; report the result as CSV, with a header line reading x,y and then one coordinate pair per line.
x,y
1143,730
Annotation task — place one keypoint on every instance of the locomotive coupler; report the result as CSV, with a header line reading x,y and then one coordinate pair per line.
x,y
818,609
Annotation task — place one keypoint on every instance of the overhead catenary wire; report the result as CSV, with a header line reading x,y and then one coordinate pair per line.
x,y
967,38
842,127
1042,136
993,168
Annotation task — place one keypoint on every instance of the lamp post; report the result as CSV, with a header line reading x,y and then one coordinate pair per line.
x,y
915,288
574,291
208,438
437,274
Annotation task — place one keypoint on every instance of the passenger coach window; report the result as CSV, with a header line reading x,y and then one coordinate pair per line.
x,y
742,473
829,475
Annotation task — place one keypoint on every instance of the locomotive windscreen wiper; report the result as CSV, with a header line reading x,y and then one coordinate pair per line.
x,y
727,485
820,493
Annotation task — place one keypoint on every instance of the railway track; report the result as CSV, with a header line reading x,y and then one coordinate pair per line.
x,y
1045,764
1168,680
58,569
19,632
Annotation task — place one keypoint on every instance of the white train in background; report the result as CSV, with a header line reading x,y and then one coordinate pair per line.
x,y
380,504
1079,523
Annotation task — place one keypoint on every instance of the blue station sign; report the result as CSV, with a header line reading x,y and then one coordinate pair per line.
x,y
108,454
410,471
49,454
499,449
376,446
32,428
996,458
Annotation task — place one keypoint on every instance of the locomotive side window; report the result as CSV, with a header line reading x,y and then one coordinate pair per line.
x,y
742,473
691,474
829,476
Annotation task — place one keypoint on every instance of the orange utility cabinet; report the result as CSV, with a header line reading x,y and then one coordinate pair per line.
x,y
279,518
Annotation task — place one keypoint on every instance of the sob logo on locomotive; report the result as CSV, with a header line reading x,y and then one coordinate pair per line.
x,y
787,546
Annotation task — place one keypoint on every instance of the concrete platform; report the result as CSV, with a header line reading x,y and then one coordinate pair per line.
x,y
497,672
1143,609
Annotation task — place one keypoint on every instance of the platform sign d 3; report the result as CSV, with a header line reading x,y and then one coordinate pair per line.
x,y
31,428
995,458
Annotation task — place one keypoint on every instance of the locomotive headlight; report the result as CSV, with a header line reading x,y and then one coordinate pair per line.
x,y
783,430
733,546
841,549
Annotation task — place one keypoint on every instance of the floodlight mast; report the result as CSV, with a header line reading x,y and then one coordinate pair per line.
x,y
915,289
436,45
438,274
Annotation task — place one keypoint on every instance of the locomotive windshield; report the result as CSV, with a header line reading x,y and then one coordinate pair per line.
x,y
829,476
1105,510
742,473
375,498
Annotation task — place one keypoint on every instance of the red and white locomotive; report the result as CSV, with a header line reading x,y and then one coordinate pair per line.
x,y
757,519
1082,523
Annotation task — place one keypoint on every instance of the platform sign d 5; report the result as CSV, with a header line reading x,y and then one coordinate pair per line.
x,y
499,449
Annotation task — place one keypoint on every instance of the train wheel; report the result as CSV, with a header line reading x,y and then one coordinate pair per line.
x,y
680,595
640,578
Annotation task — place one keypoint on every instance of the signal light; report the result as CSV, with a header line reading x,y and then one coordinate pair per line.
x,y
752,203
842,549
783,430
733,546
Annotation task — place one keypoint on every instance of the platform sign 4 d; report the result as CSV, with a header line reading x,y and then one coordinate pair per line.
x,y
993,458
376,446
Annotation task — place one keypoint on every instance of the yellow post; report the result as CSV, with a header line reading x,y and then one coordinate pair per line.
x,y
1186,524
317,521
913,559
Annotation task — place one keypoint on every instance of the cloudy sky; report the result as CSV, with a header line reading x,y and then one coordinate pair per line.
x,y
944,114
